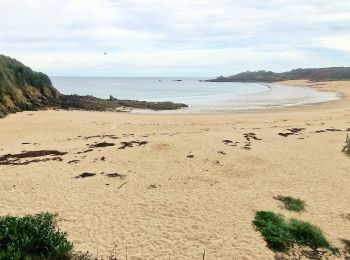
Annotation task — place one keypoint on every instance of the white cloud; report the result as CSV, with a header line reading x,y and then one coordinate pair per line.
x,y
61,36
341,42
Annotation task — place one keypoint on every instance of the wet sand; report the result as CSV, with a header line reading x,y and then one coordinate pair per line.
x,y
174,185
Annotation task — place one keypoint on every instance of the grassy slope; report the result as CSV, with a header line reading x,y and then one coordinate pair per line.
x,y
23,89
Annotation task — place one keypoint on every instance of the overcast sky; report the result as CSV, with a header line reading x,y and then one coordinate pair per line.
x,y
174,37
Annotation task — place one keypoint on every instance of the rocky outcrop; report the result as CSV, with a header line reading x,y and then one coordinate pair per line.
x,y
23,89
147,105
112,104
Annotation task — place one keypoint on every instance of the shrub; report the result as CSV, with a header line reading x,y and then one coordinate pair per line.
x,y
34,237
306,234
280,234
292,204
274,230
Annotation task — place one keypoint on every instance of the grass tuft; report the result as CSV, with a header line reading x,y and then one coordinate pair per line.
x,y
307,234
34,237
291,203
280,235
274,230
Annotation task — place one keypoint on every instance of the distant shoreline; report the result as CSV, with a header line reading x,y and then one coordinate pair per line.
x,y
312,74
200,97
265,105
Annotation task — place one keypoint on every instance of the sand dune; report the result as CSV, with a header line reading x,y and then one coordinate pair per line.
x,y
174,185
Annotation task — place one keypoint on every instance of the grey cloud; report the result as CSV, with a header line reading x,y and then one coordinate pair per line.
x,y
287,31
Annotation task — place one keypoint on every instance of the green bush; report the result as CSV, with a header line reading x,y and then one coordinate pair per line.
x,y
274,229
292,204
14,74
33,237
306,234
280,234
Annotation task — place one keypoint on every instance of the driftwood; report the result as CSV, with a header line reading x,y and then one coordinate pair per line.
x,y
122,185
347,146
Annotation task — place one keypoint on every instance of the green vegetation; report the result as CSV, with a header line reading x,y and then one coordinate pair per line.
x,y
308,234
15,74
274,230
34,237
23,89
280,234
292,204
321,74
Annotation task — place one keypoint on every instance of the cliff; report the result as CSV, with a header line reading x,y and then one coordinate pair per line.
x,y
23,89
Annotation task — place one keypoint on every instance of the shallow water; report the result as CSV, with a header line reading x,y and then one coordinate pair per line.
x,y
200,96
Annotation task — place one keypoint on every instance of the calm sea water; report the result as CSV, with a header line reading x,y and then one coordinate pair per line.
x,y
200,96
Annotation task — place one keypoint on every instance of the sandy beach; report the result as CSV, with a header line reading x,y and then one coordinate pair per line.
x,y
172,186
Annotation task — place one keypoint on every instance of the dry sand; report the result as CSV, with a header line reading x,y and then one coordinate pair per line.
x,y
170,205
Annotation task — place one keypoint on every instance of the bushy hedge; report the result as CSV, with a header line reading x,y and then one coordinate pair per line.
x,y
280,234
34,237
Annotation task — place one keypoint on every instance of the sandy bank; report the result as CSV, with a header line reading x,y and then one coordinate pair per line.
x,y
159,200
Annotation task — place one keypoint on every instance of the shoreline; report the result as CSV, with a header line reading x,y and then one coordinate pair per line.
x,y
264,98
273,109
298,83
341,88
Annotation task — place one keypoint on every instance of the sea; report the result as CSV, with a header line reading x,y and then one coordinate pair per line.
x,y
199,95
